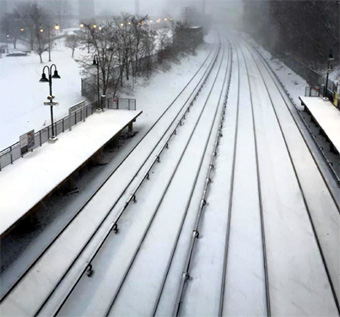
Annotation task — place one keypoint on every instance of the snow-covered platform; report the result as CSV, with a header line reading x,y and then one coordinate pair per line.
x,y
326,116
25,183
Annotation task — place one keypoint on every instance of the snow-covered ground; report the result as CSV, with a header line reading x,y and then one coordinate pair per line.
x,y
273,246
278,194
294,83
22,95
153,97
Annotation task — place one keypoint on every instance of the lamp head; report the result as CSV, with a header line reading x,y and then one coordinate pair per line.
x,y
56,75
43,78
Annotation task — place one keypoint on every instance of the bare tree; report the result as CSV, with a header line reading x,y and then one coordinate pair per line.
x,y
139,31
11,26
31,19
104,41
124,44
41,42
72,41
148,48
164,37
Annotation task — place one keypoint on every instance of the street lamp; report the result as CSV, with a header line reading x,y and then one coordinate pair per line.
x,y
7,37
50,97
329,59
96,63
82,25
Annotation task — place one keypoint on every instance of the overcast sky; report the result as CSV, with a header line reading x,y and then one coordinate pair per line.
x,y
151,7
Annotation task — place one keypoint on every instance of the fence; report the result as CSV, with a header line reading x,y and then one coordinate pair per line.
x,y
312,91
13,152
311,76
121,103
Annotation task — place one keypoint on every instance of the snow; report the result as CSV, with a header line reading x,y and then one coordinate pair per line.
x,y
245,268
202,296
39,172
327,116
294,196
22,95
291,243
292,82
117,188
151,264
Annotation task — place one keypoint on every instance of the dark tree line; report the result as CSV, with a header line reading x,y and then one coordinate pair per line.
x,y
302,31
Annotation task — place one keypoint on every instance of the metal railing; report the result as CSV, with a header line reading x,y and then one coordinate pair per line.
x,y
312,91
121,103
13,152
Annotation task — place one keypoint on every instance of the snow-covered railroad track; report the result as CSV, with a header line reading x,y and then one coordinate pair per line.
x,y
44,276
140,255
315,218
268,208
10,280
228,268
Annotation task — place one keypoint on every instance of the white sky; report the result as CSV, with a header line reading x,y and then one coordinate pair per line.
x,y
151,7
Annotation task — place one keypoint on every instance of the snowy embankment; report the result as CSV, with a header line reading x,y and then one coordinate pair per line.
x,y
22,95
292,82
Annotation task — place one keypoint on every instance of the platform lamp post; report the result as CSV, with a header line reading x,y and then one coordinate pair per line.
x,y
329,59
50,103
96,63
7,37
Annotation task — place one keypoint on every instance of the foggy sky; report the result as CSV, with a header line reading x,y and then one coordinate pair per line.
x,y
151,7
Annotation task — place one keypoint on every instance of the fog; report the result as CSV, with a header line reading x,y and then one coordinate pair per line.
x,y
221,10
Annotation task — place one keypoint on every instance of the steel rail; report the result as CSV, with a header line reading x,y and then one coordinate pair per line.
x,y
230,205
161,198
300,185
132,197
4,295
277,80
106,180
202,204
114,225
263,234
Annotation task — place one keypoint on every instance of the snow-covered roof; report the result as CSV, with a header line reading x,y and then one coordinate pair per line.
x,y
31,178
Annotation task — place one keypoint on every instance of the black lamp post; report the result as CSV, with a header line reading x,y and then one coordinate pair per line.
x,y
330,58
96,63
7,37
50,97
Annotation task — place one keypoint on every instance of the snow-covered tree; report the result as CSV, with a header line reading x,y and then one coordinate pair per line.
x,y
72,41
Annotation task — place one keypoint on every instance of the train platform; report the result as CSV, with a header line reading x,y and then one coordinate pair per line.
x,y
326,116
28,181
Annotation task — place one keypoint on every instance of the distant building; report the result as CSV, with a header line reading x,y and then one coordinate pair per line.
x,y
86,10
188,37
